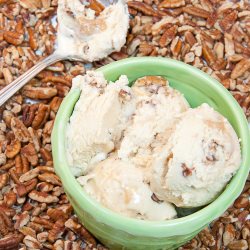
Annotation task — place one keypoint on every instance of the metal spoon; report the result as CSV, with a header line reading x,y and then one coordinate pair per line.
x,y
18,83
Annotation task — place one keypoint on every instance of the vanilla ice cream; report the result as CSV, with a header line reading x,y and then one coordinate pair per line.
x,y
198,160
157,105
85,36
98,120
121,187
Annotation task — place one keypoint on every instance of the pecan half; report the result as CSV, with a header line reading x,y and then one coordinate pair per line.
x,y
57,231
55,103
171,4
42,197
31,242
7,210
13,37
57,79
4,178
208,54
22,220
41,116
242,202
238,245
25,188
27,231
168,36
227,22
145,49
20,130
33,173
29,114
10,242
39,92
56,214
6,224
30,153
50,178
13,149
44,187
10,198
195,11
189,37
44,222
143,8
176,46
31,4
240,68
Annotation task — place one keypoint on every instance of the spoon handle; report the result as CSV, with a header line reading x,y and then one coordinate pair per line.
x,y
18,83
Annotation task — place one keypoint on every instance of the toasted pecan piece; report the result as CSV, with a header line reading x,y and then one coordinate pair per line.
x,y
195,11
144,8
171,4
240,68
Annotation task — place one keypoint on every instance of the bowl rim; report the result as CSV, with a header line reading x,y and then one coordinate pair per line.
x,y
143,227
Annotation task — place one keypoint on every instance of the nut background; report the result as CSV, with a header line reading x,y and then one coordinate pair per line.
x,y
212,35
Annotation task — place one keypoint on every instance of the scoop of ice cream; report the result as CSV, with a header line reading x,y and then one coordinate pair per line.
x,y
121,187
198,160
157,105
89,37
97,121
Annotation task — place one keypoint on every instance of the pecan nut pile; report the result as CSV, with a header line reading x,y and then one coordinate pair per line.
x,y
212,35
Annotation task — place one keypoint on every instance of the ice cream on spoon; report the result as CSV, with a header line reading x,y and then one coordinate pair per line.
x,y
89,36
83,35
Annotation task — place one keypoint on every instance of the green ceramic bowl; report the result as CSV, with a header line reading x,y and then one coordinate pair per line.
x,y
117,231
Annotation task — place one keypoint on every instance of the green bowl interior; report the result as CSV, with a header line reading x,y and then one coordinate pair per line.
x,y
197,88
